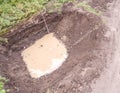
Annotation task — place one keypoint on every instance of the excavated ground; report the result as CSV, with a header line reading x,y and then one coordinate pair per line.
x,y
85,37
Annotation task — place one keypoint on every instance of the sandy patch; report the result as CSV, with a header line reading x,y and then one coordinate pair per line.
x,y
44,56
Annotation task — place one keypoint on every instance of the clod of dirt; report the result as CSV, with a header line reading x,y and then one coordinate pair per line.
x,y
44,56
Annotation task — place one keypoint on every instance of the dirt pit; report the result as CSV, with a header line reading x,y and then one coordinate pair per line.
x,y
44,56
83,37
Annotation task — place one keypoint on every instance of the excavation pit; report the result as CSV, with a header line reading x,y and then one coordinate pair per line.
x,y
74,51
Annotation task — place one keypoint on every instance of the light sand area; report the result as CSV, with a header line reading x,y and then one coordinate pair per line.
x,y
44,56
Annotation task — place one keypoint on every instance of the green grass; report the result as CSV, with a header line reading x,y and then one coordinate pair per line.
x,y
2,83
56,5
13,11
88,8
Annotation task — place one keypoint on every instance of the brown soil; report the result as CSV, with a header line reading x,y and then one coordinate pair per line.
x,y
84,36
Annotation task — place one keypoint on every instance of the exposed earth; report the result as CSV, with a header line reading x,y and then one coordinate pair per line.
x,y
92,43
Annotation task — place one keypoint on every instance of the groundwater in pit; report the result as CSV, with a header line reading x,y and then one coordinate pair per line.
x,y
44,56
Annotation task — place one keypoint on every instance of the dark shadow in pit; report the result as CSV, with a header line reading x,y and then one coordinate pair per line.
x,y
84,35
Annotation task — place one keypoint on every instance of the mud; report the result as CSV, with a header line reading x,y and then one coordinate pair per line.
x,y
84,35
